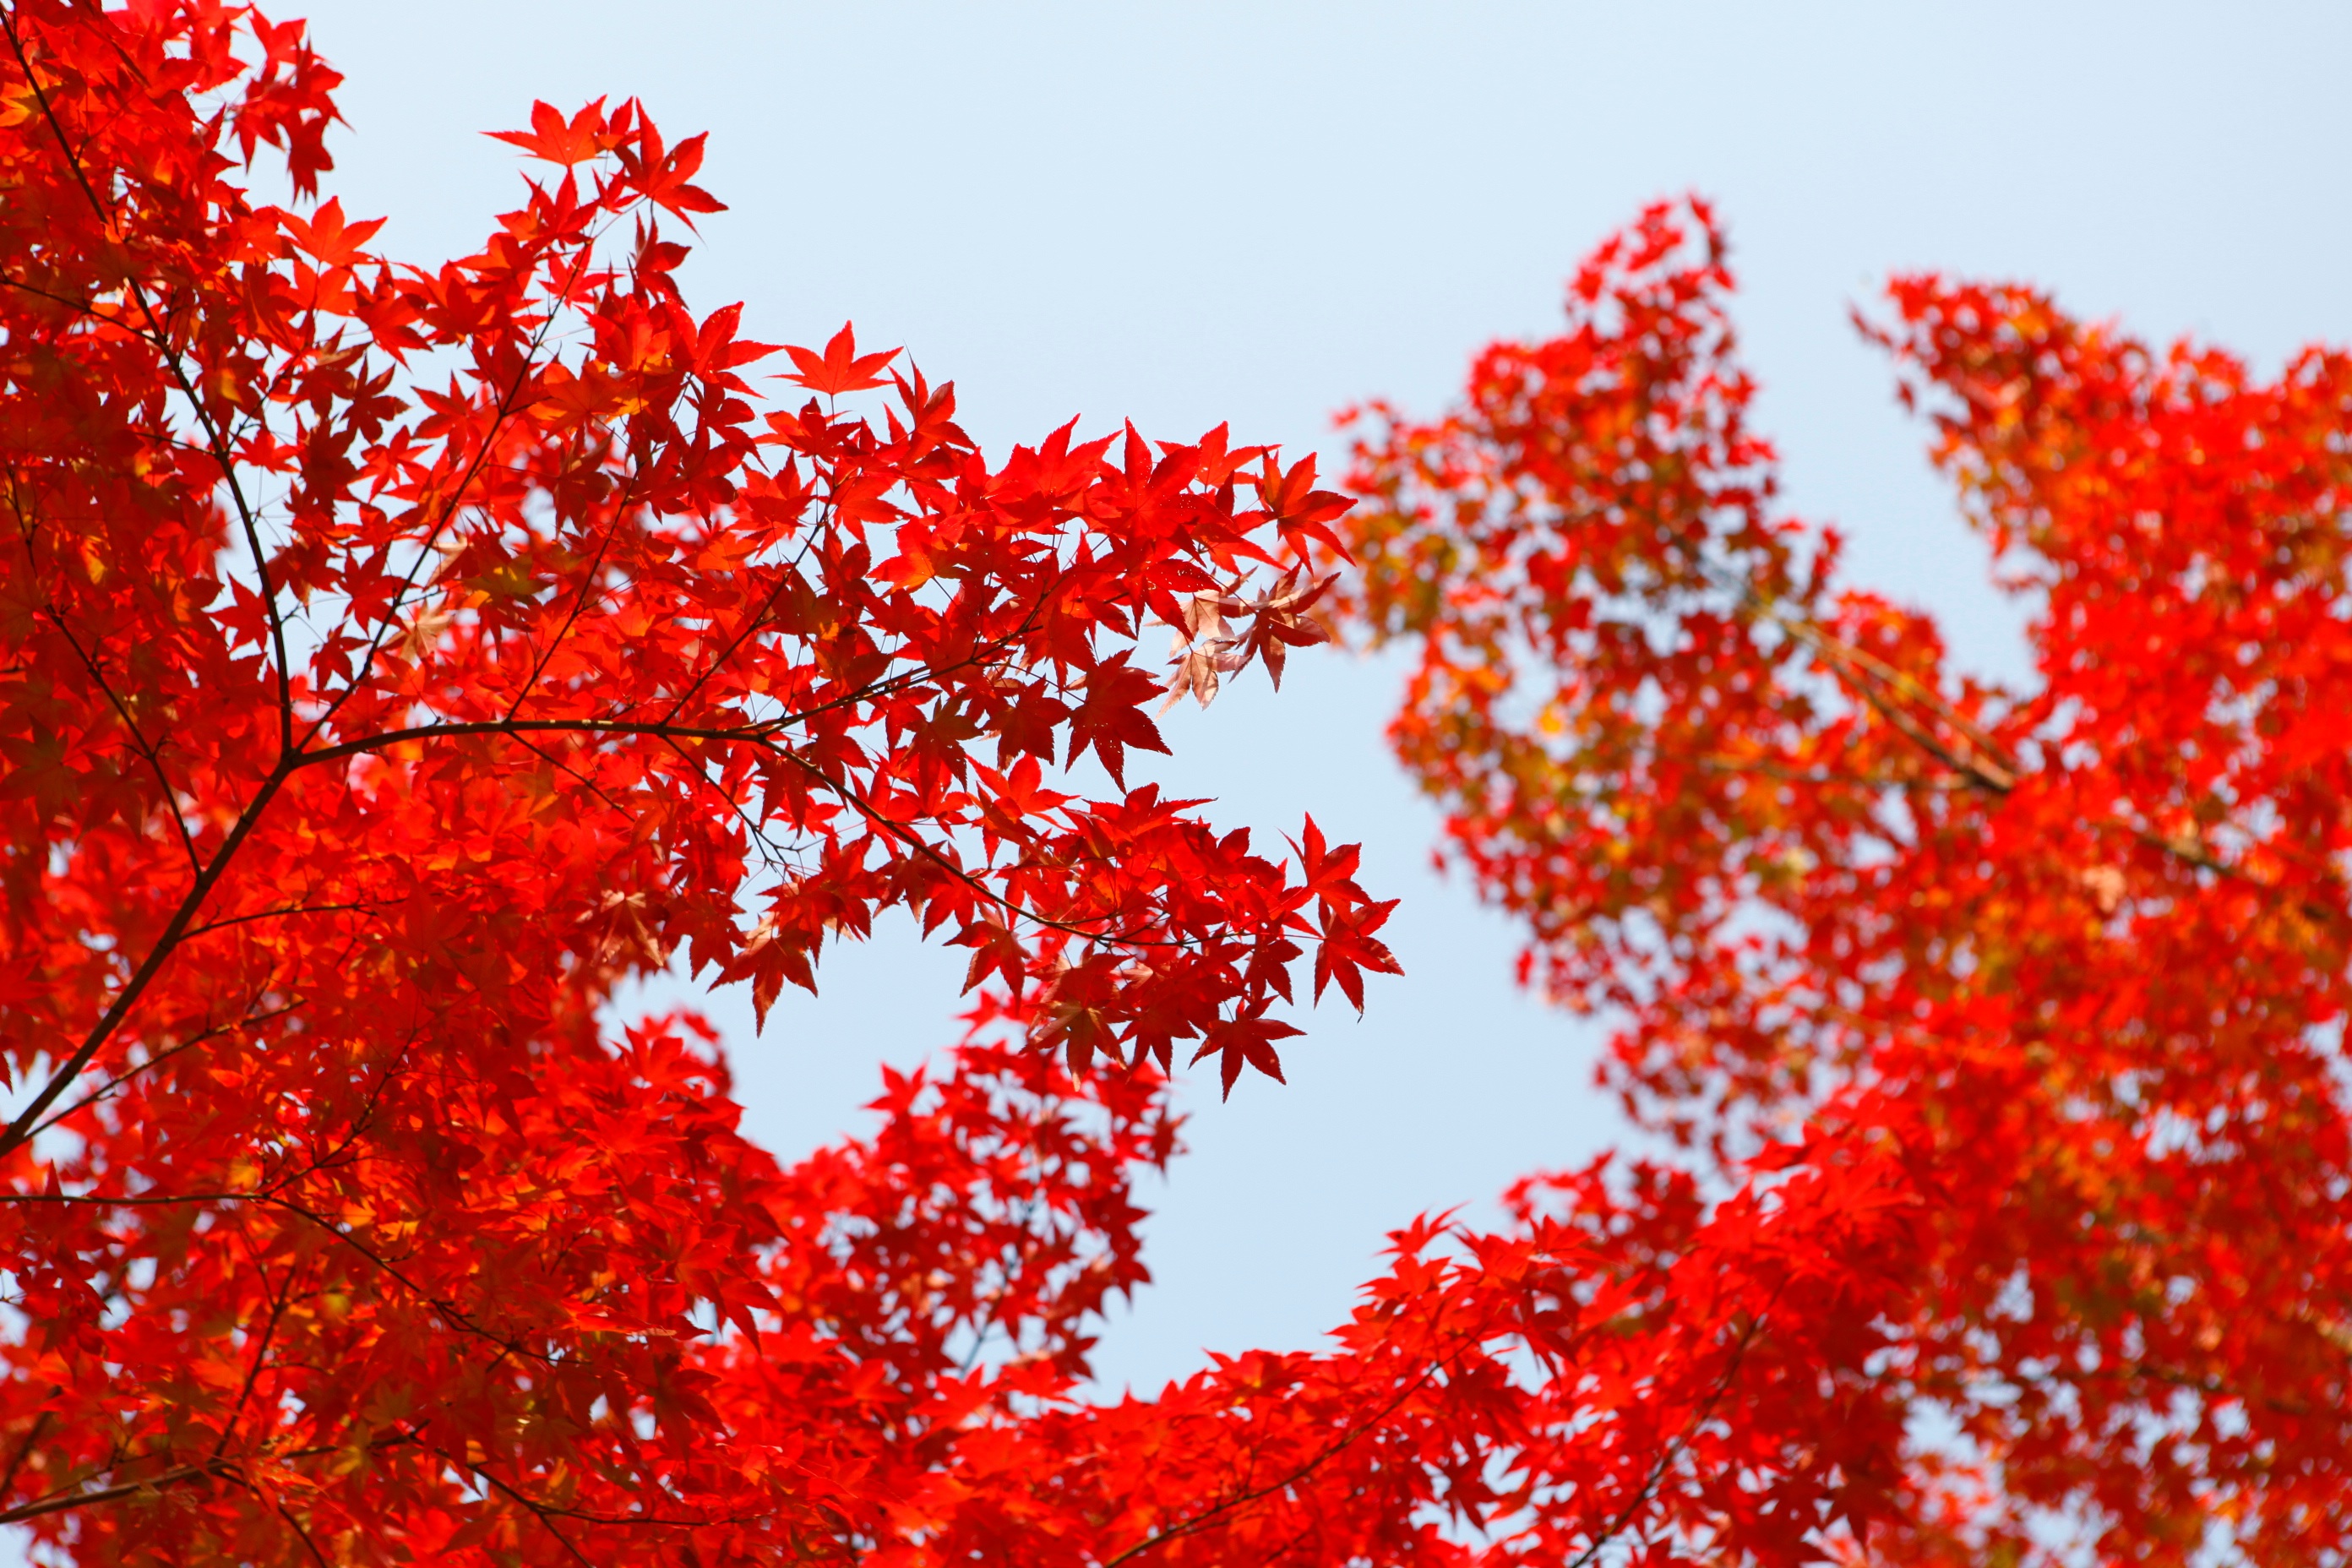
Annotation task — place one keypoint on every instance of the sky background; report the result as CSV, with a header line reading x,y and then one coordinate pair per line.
x,y
1184,215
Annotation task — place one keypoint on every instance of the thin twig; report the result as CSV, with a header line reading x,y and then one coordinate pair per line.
x,y
1207,1516
220,452
1674,1450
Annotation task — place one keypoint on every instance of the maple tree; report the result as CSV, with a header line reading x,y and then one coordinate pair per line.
x,y
2021,1010
397,660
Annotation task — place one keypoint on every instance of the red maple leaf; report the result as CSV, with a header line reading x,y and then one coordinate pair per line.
x,y
841,368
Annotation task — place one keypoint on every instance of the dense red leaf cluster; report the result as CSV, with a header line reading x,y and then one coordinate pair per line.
x,y
2057,973
394,661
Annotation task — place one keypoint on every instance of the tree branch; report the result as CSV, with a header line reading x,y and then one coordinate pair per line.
x,y
1208,1516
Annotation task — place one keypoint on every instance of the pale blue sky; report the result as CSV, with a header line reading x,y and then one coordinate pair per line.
x,y
1260,212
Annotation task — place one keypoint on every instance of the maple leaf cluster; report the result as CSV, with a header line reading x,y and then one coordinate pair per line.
x,y
2052,981
397,660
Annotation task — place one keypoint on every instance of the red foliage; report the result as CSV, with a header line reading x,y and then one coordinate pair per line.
x,y
397,661
2065,967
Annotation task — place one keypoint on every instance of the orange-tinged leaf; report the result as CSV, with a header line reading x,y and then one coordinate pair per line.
x,y
554,140
841,368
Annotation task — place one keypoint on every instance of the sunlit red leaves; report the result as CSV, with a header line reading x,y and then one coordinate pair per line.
x,y
328,237
287,104
660,174
1540,1391
2066,955
1302,513
1111,717
1347,947
1347,917
584,137
342,799
366,727
841,368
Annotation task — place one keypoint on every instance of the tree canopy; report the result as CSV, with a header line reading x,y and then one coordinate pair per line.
x,y
2041,990
394,661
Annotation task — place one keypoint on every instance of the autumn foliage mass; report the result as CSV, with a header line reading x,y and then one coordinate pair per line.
x,y
394,661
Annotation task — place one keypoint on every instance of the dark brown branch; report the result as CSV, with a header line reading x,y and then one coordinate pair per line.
x,y
158,1059
216,1468
1674,1450
504,412
25,1450
280,911
260,1356
536,1513
209,1470
20,1129
139,740
1210,1515
458,1316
